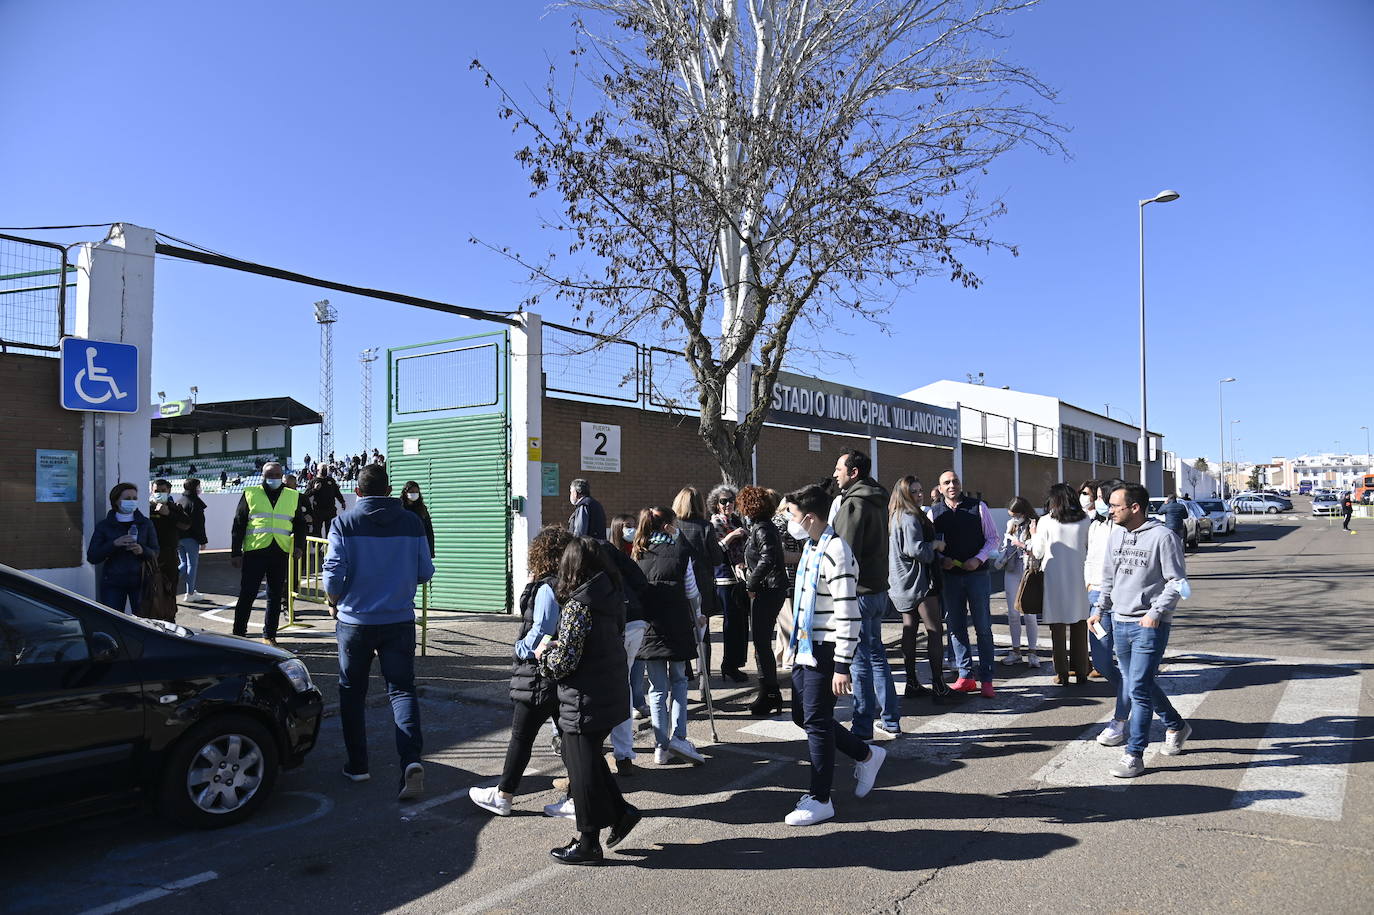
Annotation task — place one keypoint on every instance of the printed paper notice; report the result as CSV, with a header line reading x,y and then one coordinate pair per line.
x,y
55,476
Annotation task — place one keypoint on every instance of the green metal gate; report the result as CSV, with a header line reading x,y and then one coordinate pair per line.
x,y
447,429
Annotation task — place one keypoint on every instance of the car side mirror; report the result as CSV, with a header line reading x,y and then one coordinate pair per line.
x,y
104,647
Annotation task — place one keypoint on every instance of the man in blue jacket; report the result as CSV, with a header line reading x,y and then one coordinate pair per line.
x,y
378,555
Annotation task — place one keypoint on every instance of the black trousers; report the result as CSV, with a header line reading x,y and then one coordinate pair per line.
x,y
813,709
734,604
595,794
1345,525
526,720
269,562
763,618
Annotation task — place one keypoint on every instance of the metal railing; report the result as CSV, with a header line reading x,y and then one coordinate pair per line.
x,y
34,278
591,365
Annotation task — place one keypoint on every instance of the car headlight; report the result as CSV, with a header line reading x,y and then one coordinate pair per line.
x,y
297,673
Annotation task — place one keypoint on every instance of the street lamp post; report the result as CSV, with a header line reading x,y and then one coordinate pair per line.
x,y
1234,464
1366,445
1165,196
1221,408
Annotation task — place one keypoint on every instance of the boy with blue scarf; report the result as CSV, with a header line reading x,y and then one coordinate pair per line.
x,y
824,637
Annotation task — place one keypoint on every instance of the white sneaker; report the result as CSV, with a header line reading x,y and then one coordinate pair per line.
x,y
683,747
412,782
194,596
1113,735
1174,740
564,809
490,799
884,732
809,812
865,772
1032,659
1129,767
661,756
1011,657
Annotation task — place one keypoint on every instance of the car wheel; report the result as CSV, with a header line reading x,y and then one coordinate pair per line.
x,y
1273,510
219,773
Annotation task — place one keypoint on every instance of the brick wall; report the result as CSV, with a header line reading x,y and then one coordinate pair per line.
x,y
36,535
1038,474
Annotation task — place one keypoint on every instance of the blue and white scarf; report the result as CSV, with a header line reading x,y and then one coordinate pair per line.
x,y
804,598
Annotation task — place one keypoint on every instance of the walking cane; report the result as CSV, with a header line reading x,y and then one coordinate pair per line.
x,y
704,681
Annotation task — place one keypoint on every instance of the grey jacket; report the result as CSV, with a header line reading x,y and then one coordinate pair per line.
x,y
1142,573
909,558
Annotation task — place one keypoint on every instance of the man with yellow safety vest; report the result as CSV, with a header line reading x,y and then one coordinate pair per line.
x,y
269,526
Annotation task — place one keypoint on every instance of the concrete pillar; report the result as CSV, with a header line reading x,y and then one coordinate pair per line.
x,y
958,455
1015,459
527,437
873,456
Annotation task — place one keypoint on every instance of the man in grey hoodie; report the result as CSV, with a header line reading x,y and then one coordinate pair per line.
x,y
1142,581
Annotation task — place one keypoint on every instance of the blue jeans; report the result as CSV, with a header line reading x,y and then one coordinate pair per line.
x,y
874,691
1140,650
188,561
965,595
623,734
1104,661
394,646
663,677
638,693
115,594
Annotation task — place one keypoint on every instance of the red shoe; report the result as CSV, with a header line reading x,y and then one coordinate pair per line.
x,y
965,685
988,691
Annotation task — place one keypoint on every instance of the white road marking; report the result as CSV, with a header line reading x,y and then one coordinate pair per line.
x,y
1301,764
128,902
1084,763
648,827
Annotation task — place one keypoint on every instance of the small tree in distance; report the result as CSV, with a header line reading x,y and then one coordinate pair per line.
x,y
734,172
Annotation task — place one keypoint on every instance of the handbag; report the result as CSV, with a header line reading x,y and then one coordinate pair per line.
x,y
1030,594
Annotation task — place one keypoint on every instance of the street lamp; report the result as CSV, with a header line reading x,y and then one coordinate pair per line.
x,y
1366,444
1221,408
1235,465
1162,197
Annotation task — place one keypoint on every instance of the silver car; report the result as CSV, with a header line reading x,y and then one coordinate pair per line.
x,y
1326,505
1260,504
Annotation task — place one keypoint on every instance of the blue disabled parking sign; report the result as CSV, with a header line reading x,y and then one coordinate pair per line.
x,y
99,376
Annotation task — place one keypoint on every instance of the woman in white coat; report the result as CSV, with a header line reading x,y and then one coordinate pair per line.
x,y
1060,542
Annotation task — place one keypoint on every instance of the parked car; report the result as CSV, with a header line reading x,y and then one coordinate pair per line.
x,y
1223,518
1326,505
99,709
1196,527
1258,503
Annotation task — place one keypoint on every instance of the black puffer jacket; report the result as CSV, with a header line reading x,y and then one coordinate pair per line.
x,y
527,681
593,698
763,558
632,580
670,635
701,537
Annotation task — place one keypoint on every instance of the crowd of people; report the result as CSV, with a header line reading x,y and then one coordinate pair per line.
x,y
617,611
345,468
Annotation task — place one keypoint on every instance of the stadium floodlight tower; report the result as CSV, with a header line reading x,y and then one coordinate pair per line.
x,y
365,360
325,316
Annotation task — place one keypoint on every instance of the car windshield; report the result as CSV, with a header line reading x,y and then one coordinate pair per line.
x,y
1213,506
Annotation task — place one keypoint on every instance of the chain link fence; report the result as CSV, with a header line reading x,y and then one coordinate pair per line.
x,y
591,365
34,281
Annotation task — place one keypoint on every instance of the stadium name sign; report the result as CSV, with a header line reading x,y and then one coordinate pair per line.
x,y
814,404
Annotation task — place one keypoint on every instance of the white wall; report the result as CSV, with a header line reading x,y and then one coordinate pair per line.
x,y
1034,408
240,439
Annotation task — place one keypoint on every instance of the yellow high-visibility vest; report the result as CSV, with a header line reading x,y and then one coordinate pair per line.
x,y
268,522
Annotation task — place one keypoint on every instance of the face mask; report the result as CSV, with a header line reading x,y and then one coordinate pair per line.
x,y
1101,508
627,534
271,483
797,530
162,497
1086,502
413,496
127,506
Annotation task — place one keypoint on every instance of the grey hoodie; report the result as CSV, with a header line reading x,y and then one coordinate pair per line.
x,y
1142,573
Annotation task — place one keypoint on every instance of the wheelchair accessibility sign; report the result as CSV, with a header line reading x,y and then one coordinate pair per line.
x,y
99,376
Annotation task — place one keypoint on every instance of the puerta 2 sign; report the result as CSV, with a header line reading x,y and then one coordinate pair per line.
x,y
814,404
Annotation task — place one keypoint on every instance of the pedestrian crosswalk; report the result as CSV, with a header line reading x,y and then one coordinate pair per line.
x,y
1300,767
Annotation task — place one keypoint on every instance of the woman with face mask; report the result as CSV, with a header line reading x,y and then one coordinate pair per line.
x,y
413,501
169,523
121,542
1015,543
672,609
914,579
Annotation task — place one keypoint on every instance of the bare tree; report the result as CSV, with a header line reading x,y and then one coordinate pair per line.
x,y
755,168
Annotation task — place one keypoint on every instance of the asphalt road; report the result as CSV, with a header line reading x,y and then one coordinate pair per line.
x,y
985,806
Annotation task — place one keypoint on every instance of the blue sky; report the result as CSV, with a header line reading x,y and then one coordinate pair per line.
x,y
350,140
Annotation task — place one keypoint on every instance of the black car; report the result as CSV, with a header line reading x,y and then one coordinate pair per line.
x,y
99,709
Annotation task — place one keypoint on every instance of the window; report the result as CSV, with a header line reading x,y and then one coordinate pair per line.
x,y
1106,450
1076,446
35,633
1130,452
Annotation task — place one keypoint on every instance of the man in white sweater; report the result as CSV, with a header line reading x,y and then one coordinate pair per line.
x,y
825,636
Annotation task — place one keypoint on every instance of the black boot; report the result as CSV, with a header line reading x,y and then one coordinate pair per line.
x,y
913,683
582,850
939,689
769,702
